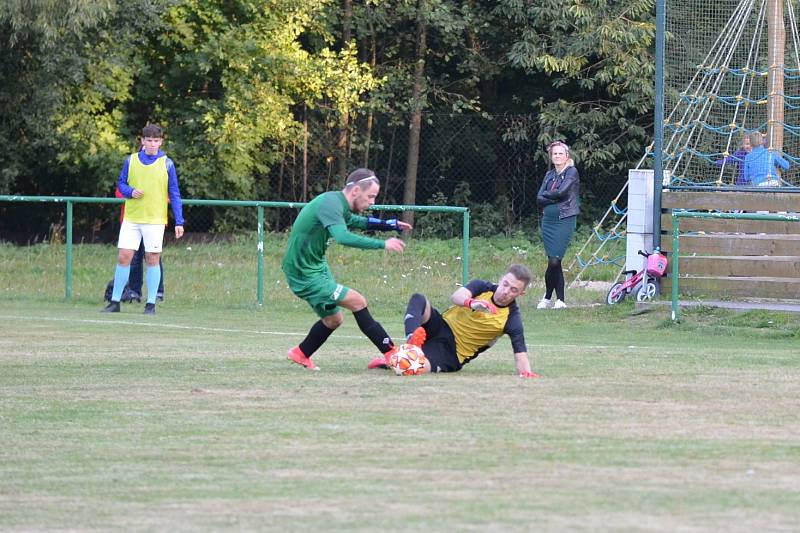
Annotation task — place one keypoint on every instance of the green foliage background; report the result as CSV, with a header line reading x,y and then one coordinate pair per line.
x,y
237,84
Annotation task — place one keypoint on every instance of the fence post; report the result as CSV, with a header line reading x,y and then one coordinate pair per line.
x,y
675,254
465,251
260,256
68,269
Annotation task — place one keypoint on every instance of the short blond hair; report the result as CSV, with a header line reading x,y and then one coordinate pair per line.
x,y
558,143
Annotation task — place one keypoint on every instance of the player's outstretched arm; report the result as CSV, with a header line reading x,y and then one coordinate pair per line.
x,y
341,235
483,306
463,297
524,366
460,295
394,245
374,223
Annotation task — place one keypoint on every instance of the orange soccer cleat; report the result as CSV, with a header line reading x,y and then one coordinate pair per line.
x,y
418,337
297,356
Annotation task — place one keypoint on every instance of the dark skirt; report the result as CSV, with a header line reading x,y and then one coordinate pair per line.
x,y
556,232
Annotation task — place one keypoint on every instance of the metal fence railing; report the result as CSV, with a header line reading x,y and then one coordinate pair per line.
x,y
70,201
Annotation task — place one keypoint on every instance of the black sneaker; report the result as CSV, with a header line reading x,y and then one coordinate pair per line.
x,y
149,309
112,307
133,295
160,297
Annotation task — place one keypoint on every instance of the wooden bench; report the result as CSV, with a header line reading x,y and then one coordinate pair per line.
x,y
734,258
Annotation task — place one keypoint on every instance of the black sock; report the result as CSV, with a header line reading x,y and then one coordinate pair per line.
x,y
560,285
551,276
414,312
373,330
549,281
316,337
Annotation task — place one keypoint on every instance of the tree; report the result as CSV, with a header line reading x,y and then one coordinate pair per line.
x,y
235,82
417,104
41,44
243,70
598,59
418,48
342,142
224,77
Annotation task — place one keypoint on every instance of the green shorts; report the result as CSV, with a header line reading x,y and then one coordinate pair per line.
x,y
321,292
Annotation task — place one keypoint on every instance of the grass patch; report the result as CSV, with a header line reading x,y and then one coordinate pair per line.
x,y
721,322
225,273
194,420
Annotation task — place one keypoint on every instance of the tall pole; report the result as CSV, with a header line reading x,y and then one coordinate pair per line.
x,y
776,37
305,153
260,258
658,143
68,272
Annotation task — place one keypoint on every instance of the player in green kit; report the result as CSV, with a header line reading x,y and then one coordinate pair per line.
x,y
330,215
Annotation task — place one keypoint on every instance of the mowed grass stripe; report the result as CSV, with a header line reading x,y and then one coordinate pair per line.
x,y
201,423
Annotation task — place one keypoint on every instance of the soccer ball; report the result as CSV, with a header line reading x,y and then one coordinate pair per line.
x,y
408,361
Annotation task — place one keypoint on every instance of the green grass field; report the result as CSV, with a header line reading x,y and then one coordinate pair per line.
x,y
194,420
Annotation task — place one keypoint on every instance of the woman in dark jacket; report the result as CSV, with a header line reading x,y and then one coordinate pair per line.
x,y
558,196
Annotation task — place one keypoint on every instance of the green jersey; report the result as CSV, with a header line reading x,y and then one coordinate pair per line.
x,y
326,216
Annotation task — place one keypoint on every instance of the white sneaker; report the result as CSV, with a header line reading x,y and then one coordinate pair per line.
x,y
544,303
559,305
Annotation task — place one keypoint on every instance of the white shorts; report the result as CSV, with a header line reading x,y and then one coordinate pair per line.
x,y
131,235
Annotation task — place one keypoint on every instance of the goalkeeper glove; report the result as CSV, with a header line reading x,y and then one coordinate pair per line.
x,y
383,225
480,305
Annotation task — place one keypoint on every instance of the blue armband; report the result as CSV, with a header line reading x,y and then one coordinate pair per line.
x,y
383,225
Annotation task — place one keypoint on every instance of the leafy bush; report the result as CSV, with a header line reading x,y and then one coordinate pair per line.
x,y
486,218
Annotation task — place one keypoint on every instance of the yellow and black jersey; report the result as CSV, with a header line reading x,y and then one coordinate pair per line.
x,y
477,331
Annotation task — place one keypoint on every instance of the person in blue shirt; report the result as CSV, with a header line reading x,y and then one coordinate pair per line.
x,y
762,165
149,182
736,159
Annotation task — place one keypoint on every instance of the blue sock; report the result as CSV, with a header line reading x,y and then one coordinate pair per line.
x,y
153,278
120,279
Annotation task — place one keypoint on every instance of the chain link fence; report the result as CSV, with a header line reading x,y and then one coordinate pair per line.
x,y
731,71
491,164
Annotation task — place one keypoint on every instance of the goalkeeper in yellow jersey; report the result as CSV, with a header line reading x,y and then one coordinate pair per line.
x,y
482,311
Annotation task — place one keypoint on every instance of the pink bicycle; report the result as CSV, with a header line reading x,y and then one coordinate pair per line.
x,y
645,282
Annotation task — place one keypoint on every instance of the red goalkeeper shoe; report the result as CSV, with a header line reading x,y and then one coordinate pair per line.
x,y
418,337
297,356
